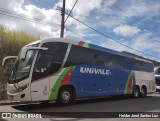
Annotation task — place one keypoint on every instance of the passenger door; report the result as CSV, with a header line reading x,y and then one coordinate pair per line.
x,y
48,63
40,79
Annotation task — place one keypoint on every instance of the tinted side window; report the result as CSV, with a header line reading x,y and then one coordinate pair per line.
x,y
56,49
50,61
107,59
120,62
143,66
148,67
79,55
43,66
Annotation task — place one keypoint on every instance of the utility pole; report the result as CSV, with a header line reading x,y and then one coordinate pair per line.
x,y
62,21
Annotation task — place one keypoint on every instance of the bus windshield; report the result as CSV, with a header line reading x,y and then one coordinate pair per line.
x,y
21,68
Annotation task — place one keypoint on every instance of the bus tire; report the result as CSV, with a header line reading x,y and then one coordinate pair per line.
x,y
65,96
136,92
143,91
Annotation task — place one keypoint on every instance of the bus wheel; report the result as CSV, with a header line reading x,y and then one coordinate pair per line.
x,y
143,91
65,96
136,92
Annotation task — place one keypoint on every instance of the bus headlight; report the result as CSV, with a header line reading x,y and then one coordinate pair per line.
x,y
17,89
22,88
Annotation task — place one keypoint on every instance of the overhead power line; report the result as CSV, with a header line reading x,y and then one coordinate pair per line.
x,y
23,17
110,37
71,11
12,14
47,5
85,36
136,20
96,40
144,27
115,16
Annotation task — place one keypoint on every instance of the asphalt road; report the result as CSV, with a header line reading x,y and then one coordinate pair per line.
x,y
94,106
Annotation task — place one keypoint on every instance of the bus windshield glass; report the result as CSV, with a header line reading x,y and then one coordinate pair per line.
x,y
21,68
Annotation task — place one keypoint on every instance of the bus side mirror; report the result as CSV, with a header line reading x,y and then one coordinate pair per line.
x,y
8,58
26,49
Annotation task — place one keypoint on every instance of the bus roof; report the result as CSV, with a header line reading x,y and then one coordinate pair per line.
x,y
82,44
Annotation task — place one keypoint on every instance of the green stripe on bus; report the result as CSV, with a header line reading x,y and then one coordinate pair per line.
x,y
127,83
53,95
88,45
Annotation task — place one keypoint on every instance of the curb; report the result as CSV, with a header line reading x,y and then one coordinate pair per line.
x,y
8,102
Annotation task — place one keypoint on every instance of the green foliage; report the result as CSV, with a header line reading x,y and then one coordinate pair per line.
x,y
10,44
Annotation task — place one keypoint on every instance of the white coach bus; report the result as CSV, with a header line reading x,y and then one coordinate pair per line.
x,y
65,70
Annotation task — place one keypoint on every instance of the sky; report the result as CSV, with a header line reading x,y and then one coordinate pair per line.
x,y
122,25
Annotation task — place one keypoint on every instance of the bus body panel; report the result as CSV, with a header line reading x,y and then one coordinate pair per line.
x,y
146,79
100,81
94,81
40,89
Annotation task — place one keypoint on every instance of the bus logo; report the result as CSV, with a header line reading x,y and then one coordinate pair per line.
x,y
95,71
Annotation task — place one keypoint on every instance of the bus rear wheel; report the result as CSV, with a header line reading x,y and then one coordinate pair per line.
x,y
65,96
136,92
143,91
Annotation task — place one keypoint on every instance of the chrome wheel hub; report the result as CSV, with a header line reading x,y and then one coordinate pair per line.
x,y
65,96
